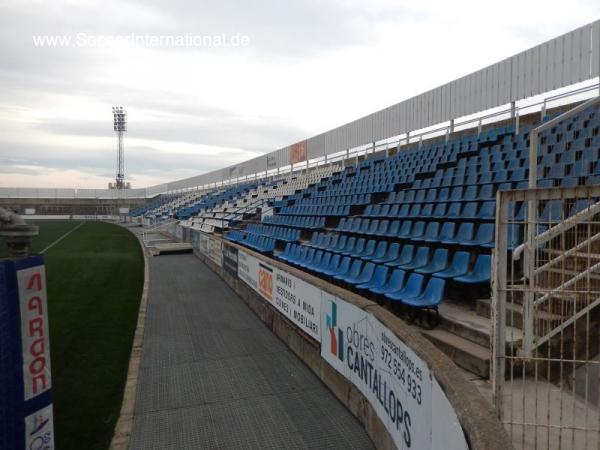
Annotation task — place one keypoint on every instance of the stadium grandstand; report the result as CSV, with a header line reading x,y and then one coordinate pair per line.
x,y
455,232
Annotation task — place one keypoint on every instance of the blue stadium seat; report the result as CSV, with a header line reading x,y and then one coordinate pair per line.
x,y
418,231
379,252
342,267
377,281
353,271
440,211
485,237
487,211
405,229
413,288
391,254
447,232
333,263
454,210
464,233
480,274
458,266
393,229
395,283
431,297
470,211
439,262
406,256
369,249
364,276
314,261
421,259
431,232
341,244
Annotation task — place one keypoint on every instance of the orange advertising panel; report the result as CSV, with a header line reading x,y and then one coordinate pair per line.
x,y
298,152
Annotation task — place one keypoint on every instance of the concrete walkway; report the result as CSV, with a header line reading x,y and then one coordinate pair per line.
x,y
214,377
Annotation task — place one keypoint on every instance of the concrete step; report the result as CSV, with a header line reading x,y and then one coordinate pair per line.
x,y
514,315
172,248
461,320
466,354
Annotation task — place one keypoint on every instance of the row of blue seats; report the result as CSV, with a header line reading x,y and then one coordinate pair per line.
x,y
391,253
578,169
446,233
366,188
470,210
273,231
363,199
307,222
461,193
257,242
364,274
316,210
163,200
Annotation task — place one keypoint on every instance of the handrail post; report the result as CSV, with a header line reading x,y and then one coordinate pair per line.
x,y
498,316
529,260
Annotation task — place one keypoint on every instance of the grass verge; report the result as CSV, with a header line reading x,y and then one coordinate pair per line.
x,y
95,279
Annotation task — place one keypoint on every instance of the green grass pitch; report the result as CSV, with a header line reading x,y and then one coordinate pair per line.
x,y
95,279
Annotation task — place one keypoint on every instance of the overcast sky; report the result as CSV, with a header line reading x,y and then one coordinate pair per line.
x,y
288,70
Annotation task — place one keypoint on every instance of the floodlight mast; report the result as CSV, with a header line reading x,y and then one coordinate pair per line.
x,y
120,127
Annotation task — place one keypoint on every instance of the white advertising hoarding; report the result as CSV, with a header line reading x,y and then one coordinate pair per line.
x,y
294,298
396,382
392,377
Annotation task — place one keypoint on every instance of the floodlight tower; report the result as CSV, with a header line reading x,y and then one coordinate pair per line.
x,y
120,126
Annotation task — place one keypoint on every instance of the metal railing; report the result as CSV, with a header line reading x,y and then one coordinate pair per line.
x,y
546,387
156,228
532,213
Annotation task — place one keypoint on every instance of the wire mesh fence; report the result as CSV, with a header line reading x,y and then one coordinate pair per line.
x,y
546,289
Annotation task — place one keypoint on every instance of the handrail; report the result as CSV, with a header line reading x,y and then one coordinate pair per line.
x,y
531,240
559,228
410,138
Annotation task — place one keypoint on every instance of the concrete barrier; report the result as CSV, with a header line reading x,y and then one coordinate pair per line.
x,y
481,428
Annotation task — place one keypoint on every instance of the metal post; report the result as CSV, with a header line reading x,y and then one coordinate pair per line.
x,y
513,109
498,316
17,233
479,125
517,122
529,262
543,113
451,128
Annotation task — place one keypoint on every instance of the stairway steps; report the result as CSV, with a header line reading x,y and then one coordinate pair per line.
x,y
514,315
466,323
470,356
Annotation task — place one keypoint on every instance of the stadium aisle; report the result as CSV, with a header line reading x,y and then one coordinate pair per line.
x,y
213,376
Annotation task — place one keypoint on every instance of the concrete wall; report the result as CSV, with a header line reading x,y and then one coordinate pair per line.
x,y
480,425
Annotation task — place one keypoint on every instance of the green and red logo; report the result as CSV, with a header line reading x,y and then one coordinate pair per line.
x,y
336,336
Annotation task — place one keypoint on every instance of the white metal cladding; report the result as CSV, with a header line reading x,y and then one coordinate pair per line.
x,y
595,48
557,63
316,145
